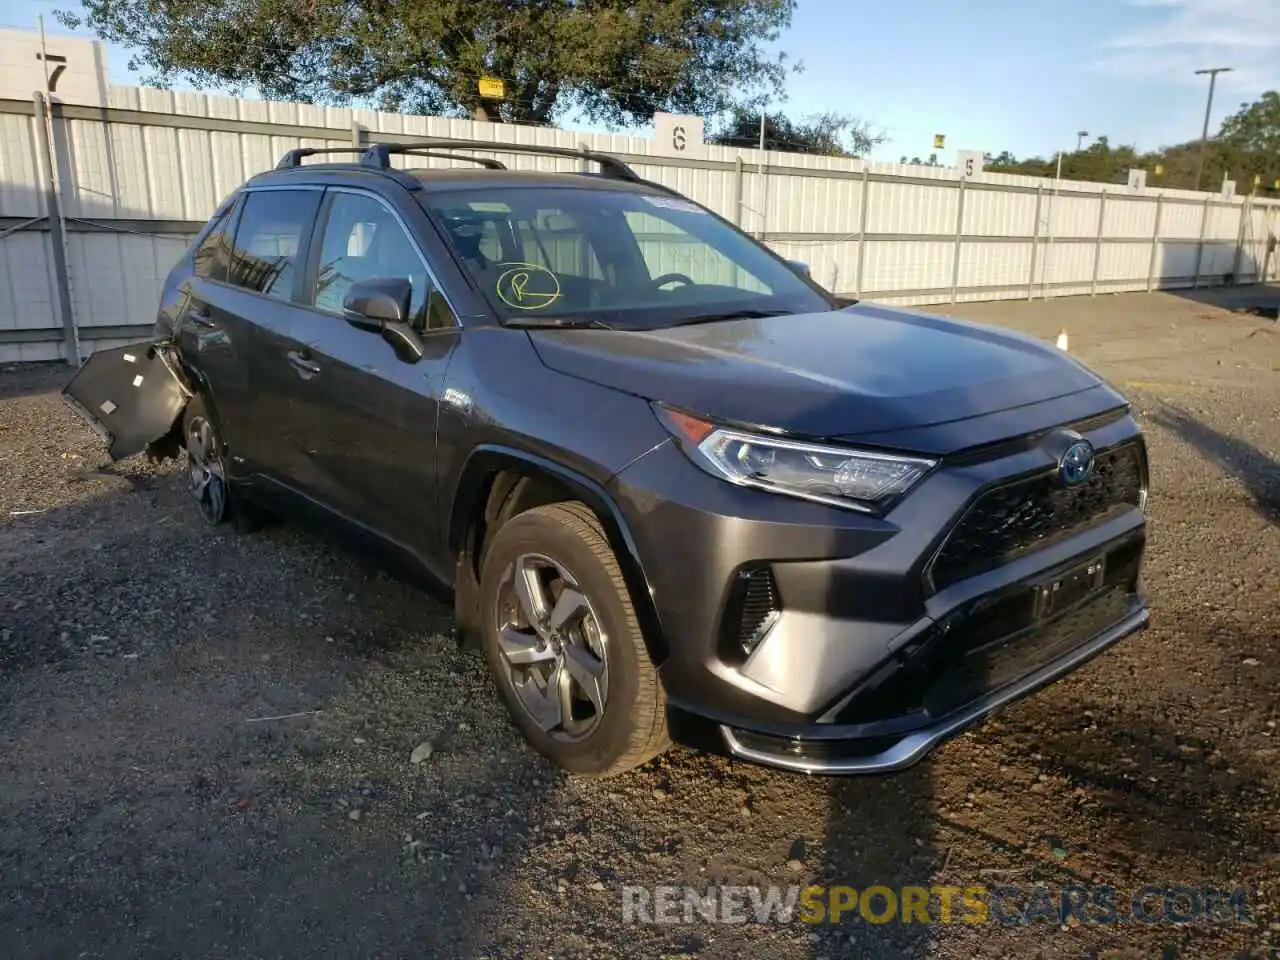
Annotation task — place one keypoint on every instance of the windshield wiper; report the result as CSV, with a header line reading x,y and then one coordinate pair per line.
x,y
556,323
729,315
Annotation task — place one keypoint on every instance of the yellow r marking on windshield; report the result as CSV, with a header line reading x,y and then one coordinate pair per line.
x,y
527,286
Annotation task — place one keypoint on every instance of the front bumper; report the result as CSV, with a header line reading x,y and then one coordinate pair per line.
x,y
844,750
868,663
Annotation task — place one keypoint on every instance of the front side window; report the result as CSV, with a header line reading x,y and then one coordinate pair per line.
x,y
269,238
362,240
624,258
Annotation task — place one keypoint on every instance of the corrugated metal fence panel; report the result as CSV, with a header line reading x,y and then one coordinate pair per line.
x,y
1175,260
833,264
808,204
1124,261
993,264
1072,216
1181,220
168,171
991,213
911,208
19,178
1223,223
1126,217
1218,259
1254,252
907,265
27,300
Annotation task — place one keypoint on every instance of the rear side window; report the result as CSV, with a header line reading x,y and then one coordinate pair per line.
x,y
269,240
212,259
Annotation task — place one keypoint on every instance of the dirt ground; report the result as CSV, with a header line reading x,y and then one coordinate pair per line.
x,y
151,808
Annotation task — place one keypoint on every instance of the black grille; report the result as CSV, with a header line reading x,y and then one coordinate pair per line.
x,y
753,603
1013,520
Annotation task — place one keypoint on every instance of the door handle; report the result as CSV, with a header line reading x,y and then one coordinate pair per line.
x,y
201,318
306,368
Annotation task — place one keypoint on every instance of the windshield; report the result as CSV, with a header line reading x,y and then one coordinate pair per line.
x,y
629,260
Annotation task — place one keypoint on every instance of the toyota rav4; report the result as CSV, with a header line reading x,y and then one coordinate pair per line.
x,y
674,489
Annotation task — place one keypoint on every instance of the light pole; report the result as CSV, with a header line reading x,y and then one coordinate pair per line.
x,y
1208,107
1080,135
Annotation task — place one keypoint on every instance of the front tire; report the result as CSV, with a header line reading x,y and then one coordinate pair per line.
x,y
563,644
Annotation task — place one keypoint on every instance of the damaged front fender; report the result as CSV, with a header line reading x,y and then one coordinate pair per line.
x,y
133,398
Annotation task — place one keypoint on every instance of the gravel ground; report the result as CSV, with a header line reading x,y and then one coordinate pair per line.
x,y
154,805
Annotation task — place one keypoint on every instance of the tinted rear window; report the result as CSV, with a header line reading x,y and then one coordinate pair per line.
x,y
270,237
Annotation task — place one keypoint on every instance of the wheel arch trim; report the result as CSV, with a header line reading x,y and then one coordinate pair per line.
x,y
488,460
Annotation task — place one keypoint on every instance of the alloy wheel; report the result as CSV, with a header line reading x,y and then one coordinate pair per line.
x,y
206,477
553,647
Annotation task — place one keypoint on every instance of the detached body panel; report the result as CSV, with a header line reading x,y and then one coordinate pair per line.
x,y
129,396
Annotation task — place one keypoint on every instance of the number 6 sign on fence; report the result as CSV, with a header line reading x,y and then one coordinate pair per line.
x,y
677,136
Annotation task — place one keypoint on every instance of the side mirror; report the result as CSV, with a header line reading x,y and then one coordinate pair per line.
x,y
380,305
800,267
372,304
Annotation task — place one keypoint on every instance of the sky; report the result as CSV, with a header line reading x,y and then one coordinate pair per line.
x,y
993,75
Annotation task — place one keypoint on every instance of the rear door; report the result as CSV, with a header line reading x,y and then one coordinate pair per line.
x,y
366,419
235,326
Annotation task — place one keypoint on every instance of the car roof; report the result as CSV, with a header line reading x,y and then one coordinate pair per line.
x,y
446,179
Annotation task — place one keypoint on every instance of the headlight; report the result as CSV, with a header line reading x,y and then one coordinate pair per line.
x,y
854,479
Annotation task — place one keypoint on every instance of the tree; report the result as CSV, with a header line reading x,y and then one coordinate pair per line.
x,y
617,61
1255,128
830,134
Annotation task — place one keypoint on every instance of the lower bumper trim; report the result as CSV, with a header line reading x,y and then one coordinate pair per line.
x,y
913,747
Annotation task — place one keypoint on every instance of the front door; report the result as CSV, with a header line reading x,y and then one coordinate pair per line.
x,y
366,419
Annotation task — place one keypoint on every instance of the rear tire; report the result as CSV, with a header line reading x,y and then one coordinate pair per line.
x,y
216,498
562,641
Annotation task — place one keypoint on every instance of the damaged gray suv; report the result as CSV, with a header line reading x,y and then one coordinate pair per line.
x,y
675,490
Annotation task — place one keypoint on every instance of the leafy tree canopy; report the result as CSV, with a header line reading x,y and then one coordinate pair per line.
x,y
831,134
1255,127
617,61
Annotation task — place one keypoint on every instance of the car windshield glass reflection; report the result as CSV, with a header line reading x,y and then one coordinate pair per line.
x,y
621,259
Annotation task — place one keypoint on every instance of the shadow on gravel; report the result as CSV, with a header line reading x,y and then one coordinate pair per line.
x,y
1259,299
33,379
206,742
881,832
1255,468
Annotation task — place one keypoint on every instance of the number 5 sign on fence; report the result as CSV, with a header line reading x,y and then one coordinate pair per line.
x,y
969,162
675,135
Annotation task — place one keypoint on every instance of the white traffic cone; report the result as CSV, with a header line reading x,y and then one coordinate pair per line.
x,y
1062,339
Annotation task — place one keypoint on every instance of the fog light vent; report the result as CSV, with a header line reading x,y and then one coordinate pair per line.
x,y
758,606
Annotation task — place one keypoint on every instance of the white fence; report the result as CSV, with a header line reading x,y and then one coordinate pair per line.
x,y
138,177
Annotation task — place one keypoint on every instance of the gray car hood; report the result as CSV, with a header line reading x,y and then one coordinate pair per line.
x,y
863,370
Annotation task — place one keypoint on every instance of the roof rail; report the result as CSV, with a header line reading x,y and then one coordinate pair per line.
x,y
379,155
486,162
294,157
